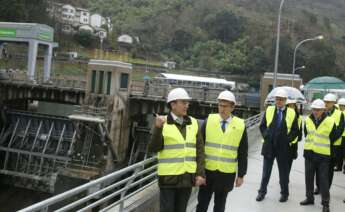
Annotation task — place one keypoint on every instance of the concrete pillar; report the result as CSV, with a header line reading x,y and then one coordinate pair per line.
x,y
32,58
48,55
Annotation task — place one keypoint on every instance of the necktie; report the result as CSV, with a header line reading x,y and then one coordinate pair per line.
x,y
179,120
224,125
280,117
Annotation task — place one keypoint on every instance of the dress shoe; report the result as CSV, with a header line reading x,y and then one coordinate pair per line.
x,y
283,198
325,208
316,191
260,197
307,202
337,169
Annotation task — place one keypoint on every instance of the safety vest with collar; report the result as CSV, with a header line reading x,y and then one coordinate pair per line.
x,y
289,117
179,154
221,147
336,115
317,140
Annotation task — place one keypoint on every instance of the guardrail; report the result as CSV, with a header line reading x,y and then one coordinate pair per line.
x,y
253,121
112,187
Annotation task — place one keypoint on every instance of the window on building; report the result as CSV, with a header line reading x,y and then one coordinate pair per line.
x,y
124,81
100,81
93,81
108,82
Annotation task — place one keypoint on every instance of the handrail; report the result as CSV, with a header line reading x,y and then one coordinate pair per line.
x,y
253,121
136,173
113,185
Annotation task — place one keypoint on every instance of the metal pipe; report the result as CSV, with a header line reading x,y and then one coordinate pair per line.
x,y
277,46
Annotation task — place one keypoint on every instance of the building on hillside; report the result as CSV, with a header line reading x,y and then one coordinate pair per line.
x,y
74,19
96,20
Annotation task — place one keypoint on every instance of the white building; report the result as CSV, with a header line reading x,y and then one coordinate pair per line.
x,y
82,16
96,20
75,19
125,39
68,13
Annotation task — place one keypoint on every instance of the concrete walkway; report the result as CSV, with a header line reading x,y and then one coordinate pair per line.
x,y
243,199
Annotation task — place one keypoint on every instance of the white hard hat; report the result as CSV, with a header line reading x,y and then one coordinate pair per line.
x,y
341,101
330,97
291,101
178,93
318,104
228,96
281,93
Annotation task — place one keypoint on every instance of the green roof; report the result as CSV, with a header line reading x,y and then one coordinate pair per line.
x,y
325,82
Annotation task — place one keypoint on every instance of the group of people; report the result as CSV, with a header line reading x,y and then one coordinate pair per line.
x,y
213,154
281,129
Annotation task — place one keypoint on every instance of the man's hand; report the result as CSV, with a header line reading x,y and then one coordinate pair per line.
x,y
200,181
160,120
238,181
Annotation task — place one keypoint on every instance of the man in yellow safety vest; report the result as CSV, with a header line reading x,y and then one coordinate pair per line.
x,y
180,151
332,111
279,127
320,133
226,150
341,103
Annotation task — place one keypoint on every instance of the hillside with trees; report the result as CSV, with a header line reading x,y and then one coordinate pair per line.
x,y
233,36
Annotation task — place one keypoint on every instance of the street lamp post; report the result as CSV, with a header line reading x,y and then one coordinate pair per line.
x,y
320,37
277,45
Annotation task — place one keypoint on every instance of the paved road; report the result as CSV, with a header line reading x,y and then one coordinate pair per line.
x,y
243,199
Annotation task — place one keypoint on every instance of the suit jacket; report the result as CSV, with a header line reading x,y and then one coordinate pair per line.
x,y
276,139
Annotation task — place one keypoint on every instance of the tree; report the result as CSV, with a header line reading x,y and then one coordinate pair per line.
x,y
24,11
224,26
84,38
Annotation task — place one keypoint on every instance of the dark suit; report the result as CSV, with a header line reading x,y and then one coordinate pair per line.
x,y
276,146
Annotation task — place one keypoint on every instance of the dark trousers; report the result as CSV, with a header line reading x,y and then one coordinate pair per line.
x,y
290,164
313,167
283,167
174,199
330,174
204,197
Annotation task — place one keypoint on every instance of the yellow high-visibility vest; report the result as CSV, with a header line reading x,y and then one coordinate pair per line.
x,y
336,115
299,127
317,140
221,147
289,117
344,129
179,154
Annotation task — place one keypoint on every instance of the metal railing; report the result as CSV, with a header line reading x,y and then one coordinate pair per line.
x,y
253,121
198,93
114,187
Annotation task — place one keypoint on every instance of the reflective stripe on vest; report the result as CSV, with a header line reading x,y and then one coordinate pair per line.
x,y
289,117
178,155
221,147
337,115
317,140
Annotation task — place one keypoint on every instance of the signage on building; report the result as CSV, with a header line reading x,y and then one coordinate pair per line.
x,y
12,33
